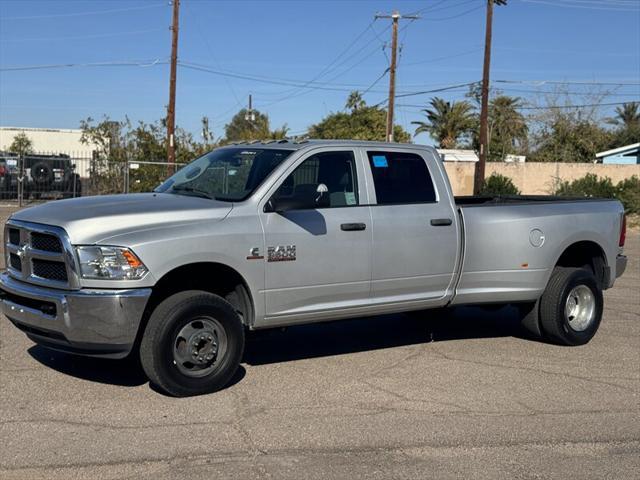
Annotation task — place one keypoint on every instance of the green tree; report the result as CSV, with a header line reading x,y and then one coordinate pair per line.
x,y
447,122
117,142
627,121
566,132
628,115
245,126
362,123
21,144
507,127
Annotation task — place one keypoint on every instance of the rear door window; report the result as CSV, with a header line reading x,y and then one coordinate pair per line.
x,y
401,177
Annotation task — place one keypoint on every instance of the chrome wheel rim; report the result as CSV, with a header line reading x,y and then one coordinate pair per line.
x,y
199,347
580,308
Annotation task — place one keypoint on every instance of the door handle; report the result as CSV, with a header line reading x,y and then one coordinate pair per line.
x,y
441,222
352,227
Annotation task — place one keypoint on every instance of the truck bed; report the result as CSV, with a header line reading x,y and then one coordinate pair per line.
x,y
480,200
509,251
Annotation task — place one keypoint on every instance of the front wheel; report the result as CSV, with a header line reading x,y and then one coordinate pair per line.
x,y
571,306
192,344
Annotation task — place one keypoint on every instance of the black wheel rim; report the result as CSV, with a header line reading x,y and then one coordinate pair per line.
x,y
199,347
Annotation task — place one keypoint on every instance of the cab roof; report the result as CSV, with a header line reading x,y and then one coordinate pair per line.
x,y
298,144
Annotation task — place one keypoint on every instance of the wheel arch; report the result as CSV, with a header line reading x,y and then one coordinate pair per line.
x,y
586,253
214,277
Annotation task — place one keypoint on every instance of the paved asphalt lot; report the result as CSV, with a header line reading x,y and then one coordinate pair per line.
x,y
386,397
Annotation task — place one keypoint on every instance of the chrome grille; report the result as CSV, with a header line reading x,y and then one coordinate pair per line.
x,y
49,270
40,254
14,236
45,242
15,262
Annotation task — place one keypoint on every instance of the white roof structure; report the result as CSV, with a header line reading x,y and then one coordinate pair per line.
x,y
615,151
457,155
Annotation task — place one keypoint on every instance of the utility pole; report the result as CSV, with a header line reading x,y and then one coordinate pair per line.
x,y
395,17
171,109
250,116
484,108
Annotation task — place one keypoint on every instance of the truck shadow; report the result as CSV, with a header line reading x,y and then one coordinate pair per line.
x,y
126,373
376,333
313,341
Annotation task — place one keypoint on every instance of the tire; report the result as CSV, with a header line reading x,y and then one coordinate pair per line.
x,y
170,337
42,173
563,324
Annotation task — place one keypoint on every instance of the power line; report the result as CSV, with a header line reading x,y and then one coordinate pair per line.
x,y
332,66
81,14
436,90
432,8
81,37
455,16
567,107
614,7
343,72
562,82
119,63
445,57
213,56
373,84
303,85
423,92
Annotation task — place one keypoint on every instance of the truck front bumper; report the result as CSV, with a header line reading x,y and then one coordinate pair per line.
x,y
101,323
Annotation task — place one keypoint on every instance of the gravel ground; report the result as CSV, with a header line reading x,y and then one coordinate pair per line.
x,y
386,397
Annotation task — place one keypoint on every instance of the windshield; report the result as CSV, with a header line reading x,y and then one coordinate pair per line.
x,y
229,174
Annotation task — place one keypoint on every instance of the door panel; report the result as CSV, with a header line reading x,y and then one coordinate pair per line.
x,y
332,268
332,265
415,236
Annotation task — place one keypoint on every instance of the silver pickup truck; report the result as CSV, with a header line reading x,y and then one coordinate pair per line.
x,y
259,235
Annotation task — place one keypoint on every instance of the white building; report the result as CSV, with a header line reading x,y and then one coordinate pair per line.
x,y
53,141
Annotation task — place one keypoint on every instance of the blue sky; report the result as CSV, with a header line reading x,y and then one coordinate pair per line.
x,y
295,42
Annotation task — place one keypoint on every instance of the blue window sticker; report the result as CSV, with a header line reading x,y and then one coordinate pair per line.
x,y
380,161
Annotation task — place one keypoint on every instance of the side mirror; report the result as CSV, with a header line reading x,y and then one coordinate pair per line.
x,y
306,199
321,190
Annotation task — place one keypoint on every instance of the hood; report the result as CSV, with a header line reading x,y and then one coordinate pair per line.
x,y
92,219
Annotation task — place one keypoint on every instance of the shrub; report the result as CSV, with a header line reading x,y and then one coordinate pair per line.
x,y
588,186
498,184
627,191
629,194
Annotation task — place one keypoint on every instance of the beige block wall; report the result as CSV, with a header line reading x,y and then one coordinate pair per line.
x,y
535,178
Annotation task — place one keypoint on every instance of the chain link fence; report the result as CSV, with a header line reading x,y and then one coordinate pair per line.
x,y
44,176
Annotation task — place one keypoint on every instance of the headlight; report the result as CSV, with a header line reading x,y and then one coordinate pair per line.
x,y
110,263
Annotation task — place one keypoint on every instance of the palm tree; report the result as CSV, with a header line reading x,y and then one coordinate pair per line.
x,y
507,126
628,115
447,121
355,101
